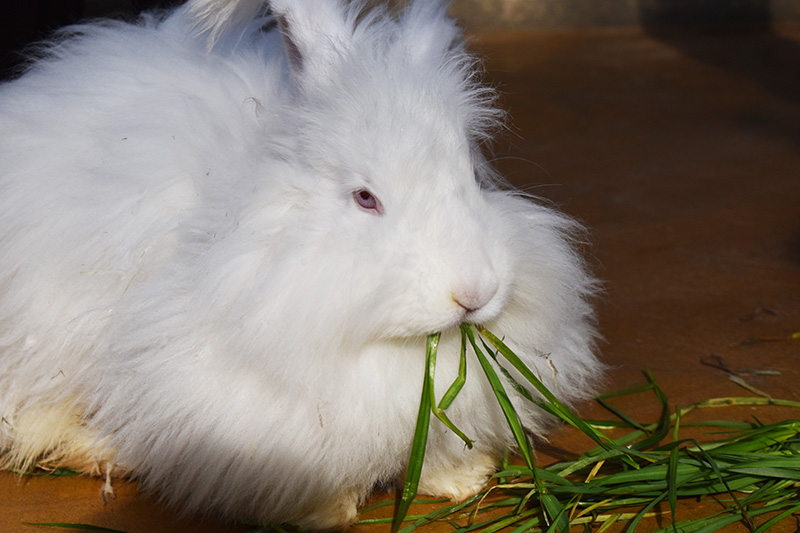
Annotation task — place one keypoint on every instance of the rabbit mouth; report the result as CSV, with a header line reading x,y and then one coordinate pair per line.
x,y
479,317
474,317
452,321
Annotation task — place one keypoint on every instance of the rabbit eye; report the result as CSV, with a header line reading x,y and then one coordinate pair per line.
x,y
368,202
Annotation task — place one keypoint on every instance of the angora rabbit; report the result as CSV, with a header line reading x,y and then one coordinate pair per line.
x,y
225,233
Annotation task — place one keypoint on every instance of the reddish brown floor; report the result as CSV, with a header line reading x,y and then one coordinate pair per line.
x,y
682,156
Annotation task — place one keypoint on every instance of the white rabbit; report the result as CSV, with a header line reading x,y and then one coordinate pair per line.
x,y
225,233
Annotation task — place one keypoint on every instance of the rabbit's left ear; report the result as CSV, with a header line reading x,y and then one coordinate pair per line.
x,y
220,19
314,33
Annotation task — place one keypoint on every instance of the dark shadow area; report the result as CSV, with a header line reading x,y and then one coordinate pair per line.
x,y
793,248
734,35
702,15
25,22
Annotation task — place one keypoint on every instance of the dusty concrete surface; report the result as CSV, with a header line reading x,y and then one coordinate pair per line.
x,y
682,156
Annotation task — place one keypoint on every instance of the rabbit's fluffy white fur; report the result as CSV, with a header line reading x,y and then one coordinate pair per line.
x,y
225,233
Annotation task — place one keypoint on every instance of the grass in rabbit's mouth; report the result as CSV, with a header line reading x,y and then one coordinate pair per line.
x,y
754,471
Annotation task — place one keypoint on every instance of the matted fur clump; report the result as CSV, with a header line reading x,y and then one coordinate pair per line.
x,y
225,233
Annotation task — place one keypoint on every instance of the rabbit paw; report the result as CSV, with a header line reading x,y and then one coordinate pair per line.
x,y
335,513
457,481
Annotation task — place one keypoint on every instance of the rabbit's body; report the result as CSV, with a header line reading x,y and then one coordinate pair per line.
x,y
218,267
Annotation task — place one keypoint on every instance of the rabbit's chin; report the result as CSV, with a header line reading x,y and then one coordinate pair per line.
x,y
421,331
478,317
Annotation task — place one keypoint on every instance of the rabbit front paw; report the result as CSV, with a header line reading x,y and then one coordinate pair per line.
x,y
336,512
458,481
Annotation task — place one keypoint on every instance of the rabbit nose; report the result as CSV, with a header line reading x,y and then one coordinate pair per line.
x,y
477,295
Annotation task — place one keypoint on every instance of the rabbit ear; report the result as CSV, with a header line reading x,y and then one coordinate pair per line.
x,y
314,33
312,30
219,18
428,31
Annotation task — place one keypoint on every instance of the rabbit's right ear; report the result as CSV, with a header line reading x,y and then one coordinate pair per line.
x,y
314,33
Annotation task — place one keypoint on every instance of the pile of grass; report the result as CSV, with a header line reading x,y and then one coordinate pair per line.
x,y
752,469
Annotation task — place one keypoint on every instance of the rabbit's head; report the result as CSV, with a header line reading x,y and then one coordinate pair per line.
x,y
380,217
391,197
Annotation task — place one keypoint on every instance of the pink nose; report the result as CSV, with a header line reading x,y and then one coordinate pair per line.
x,y
477,295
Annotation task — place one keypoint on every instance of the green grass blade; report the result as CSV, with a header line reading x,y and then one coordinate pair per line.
x,y
460,380
662,428
440,514
627,421
672,470
776,519
79,527
672,484
57,472
560,409
514,423
646,509
552,507
420,440
450,395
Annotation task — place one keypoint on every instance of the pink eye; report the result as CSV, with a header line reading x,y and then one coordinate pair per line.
x,y
368,202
